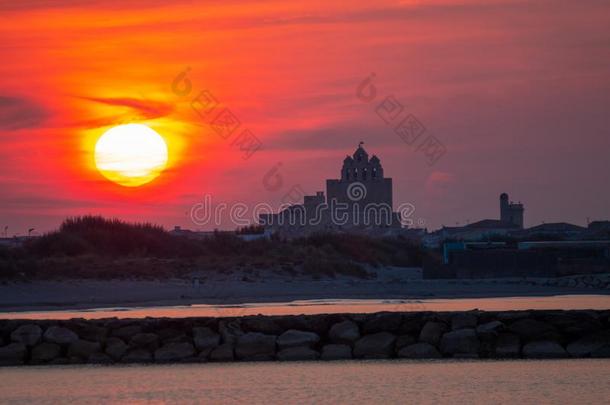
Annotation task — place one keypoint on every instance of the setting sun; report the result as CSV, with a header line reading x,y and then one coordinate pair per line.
x,y
131,155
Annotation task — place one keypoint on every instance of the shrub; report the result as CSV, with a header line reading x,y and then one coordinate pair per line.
x,y
95,247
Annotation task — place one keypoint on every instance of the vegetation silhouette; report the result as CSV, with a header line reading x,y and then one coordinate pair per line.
x,y
97,247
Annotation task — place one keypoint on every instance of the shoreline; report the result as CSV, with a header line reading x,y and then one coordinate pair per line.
x,y
321,307
85,295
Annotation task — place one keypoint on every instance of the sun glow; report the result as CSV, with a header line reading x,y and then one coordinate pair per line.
x,y
131,155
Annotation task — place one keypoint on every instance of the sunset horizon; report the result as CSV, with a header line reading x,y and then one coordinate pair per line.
x,y
528,117
316,202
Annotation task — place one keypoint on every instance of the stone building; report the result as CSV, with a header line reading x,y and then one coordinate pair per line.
x,y
510,212
511,221
360,200
362,181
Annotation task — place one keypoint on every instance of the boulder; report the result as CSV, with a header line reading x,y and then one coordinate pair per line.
x,y
585,346
115,348
83,349
137,356
60,335
29,334
100,358
45,352
224,352
376,346
531,329
76,360
148,341
230,331
182,338
575,325
383,322
463,320
60,361
336,352
172,335
310,323
255,344
260,357
404,340
126,332
419,351
466,356
544,349
508,345
13,354
490,329
602,352
460,341
344,332
297,353
295,338
205,339
411,325
511,316
582,327
90,332
174,352
261,324
203,356
432,332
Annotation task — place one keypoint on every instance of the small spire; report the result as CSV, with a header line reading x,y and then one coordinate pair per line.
x,y
360,144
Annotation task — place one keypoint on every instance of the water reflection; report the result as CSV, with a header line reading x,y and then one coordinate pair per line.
x,y
311,307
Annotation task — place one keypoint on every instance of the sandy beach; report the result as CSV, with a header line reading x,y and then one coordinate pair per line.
x,y
235,288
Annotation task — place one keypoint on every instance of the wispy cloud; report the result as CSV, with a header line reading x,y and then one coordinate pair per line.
x,y
18,113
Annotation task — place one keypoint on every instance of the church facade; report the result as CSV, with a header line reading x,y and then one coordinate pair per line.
x,y
360,200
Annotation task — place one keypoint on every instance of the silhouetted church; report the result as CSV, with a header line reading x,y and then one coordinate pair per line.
x,y
360,200
358,168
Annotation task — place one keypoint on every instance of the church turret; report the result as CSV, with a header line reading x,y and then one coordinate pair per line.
x,y
360,155
358,167
346,171
375,168
362,183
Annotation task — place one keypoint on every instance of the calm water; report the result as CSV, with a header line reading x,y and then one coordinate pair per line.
x,y
327,306
385,382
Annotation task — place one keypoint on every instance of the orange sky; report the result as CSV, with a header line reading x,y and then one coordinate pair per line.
x,y
518,92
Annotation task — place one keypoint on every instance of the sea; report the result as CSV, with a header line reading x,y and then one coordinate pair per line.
x,y
584,381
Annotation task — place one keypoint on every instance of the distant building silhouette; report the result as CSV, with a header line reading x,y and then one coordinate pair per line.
x,y
510,212
359,169
359,200
511,220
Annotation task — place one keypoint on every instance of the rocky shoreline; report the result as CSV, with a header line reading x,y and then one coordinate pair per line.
x,y
411,335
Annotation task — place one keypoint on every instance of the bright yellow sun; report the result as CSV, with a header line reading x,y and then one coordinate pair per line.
x,y
131,154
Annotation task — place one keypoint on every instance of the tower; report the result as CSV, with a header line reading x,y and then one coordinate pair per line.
x,y
510,212
359,167
504,215
363,189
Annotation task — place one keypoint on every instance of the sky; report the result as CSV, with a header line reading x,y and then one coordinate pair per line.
x,y
516,92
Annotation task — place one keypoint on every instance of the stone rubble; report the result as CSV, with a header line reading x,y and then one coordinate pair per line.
x,y
414,335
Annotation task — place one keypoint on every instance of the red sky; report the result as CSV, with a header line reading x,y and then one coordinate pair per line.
x,y
518,92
